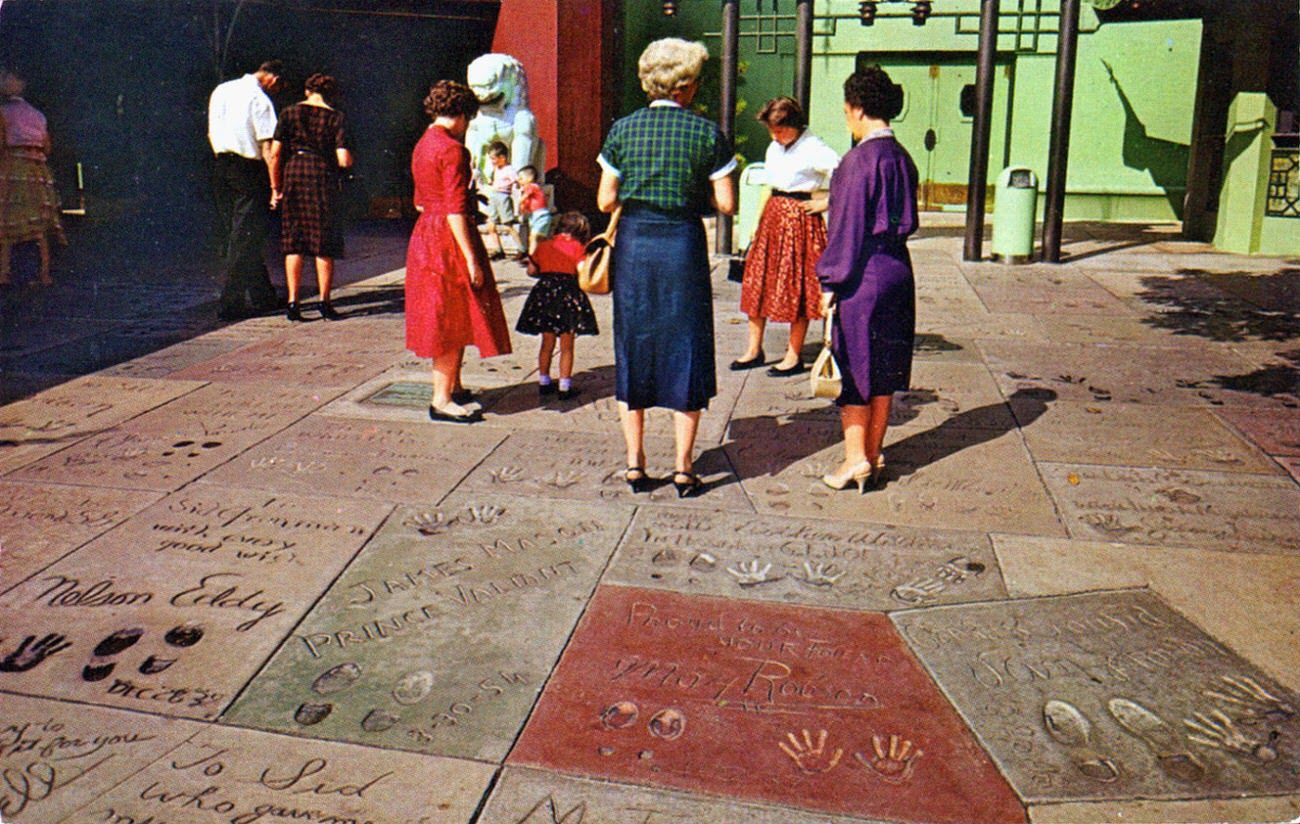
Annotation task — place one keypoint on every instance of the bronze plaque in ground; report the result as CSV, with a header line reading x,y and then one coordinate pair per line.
x,y
796,560
1109,695
814,708
439,636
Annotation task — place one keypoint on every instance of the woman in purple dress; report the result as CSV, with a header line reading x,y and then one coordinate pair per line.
x,y
866,272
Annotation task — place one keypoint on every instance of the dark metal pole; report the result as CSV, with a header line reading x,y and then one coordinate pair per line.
x,y
977,185
727,106
803,52
1058,153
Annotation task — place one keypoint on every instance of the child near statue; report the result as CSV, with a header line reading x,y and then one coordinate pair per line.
x,y
556,308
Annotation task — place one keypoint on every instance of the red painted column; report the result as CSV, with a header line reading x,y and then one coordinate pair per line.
x,y
570,50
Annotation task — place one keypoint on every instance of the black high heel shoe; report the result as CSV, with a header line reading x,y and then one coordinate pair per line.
x,y
689,488
293,312
636,478
328,311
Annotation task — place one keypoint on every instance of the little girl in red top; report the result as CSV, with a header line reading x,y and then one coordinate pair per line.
x,y
556,307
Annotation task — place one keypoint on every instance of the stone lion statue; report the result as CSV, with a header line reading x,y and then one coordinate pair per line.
x,y
499,82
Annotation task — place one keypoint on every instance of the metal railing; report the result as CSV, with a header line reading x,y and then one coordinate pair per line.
x,y
1284,184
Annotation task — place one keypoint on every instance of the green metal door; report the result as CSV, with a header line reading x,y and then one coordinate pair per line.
x,y
936,121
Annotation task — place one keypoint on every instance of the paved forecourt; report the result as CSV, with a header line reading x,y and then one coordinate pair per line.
x,y
243,578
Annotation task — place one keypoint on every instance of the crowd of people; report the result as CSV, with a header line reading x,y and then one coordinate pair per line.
x,y
662,169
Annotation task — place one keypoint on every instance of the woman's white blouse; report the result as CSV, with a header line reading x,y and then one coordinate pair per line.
x,y
804,166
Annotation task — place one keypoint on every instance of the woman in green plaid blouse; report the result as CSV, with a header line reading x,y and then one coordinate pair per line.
x,y
666,167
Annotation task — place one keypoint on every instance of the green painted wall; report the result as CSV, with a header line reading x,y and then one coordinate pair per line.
x,y
1130,136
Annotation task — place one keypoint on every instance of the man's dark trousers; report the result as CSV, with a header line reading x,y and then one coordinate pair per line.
x,y
243,195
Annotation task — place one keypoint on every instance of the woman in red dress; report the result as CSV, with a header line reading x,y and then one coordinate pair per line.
x,y
451,296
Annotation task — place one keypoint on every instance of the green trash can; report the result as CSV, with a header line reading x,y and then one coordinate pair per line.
x,y
1013,215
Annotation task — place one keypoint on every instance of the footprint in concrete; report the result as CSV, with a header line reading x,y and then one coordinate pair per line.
x,y
1165,743
194,448
101,665
309,713
378,720
620,715
1070,728
668,724
185,635
336,678
154,665
413,687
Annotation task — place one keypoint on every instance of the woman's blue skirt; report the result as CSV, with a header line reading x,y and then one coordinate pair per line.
x,y
663,312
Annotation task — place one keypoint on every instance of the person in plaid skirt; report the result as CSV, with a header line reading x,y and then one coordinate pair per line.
x,y
780,281
667,167
307,154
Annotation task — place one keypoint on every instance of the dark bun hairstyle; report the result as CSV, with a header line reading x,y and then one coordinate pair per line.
x,y
324,85
447,98
872,91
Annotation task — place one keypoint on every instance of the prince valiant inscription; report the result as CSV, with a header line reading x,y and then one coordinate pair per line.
x,y
823,709
1109,696
795,560
172,611
373,661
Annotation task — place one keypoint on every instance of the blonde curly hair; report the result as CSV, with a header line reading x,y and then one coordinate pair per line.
x,y
669,64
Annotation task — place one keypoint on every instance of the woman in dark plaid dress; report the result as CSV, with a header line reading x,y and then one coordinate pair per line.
x,y
668,167
308,151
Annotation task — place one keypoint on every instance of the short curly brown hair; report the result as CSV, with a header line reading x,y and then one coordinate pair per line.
x,y
324,85
447,98
871,90
782,111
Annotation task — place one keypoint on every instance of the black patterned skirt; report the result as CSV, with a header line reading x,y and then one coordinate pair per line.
x,y
558,306
311,223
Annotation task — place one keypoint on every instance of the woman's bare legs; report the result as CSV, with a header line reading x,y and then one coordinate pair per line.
x,y
324,277
293,275
446,379
685,425
877,424
754,347
854,421
633,421
794,349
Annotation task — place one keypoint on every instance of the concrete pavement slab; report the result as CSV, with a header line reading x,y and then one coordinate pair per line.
x,y
225,775
40,523
64,414
166,361
1174,507
588,466
174,444
1207,811
1016,326
797,560
356,458
1109,696
813,708
1119,434
1232,610
286,360
1126,374
440,635
56,756
948,477
174,611
526,796
1046,300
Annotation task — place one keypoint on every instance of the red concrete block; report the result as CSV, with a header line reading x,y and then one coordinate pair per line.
x,y
815,708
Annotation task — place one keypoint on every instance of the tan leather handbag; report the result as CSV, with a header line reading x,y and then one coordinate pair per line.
x,y
825,376
594,269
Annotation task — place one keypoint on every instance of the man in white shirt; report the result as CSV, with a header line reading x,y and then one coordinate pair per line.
x,y
241,124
